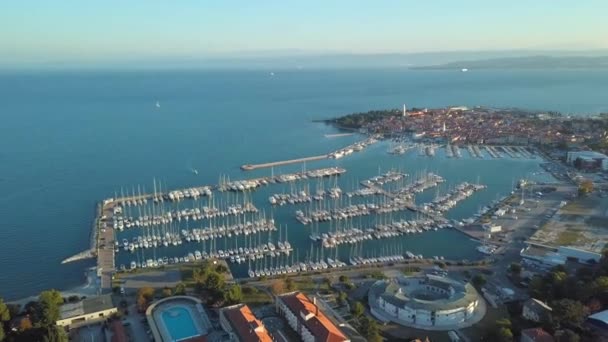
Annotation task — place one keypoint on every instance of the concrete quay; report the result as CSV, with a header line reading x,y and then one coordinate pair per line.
x,y
337,154
250,167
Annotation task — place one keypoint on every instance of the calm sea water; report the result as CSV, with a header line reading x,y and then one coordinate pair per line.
x,y
70,139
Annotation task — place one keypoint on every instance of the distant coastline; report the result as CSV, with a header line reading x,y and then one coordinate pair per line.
x,y
531,62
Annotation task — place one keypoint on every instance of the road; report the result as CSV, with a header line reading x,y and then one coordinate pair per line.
x,y
530,216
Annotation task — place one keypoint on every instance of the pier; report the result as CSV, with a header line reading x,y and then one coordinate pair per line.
x,y
356,147
338,135
105,248
250,167
91,252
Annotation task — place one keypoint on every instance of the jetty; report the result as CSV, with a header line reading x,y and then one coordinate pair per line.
x,y
250,167
342,152
338,135
91,252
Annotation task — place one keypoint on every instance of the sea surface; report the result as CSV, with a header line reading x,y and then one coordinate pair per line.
x,y
70,139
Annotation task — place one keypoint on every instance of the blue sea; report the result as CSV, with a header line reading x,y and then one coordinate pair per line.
x,y
71,139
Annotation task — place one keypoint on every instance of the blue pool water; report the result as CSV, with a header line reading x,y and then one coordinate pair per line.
x,y
179,323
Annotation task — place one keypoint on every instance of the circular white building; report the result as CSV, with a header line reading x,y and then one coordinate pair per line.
x,y
427,302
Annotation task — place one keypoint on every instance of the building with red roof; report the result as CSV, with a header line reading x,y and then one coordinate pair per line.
x,y
535,335
305,317
242,325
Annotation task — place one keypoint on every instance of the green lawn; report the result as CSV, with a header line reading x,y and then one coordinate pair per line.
x,y
253,297
186,273
306,285
487,324
568,237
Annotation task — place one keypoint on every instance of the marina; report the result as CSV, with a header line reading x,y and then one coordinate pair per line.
x,y
225,224
278,121
493,153
385,230
446,202
474,151
229,221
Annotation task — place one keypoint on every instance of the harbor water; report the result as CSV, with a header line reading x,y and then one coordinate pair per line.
x,y
72,139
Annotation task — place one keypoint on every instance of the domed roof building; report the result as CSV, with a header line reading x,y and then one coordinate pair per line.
x,y
427,302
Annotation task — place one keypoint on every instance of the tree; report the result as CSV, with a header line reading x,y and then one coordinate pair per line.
x,y
49,305
584,273
505,334
144,297
33,309
503,323
249,290
234,294
585,187
343,279
214,282
478,280
167,292
593,305
515,268
180,289
567,335
277,287
358,309
25,324
369,329
568,312
341,299
290,285
599,288
5,314
55,334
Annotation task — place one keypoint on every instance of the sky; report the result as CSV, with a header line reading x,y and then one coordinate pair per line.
x,y
40,31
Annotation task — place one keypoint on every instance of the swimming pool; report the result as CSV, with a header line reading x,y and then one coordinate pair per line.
x,y
178,318
179,323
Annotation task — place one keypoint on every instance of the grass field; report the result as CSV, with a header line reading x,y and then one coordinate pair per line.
x,y
568,237
254,297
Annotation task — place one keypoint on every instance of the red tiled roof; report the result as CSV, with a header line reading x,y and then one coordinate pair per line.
x,y
247,327
538,335
319,325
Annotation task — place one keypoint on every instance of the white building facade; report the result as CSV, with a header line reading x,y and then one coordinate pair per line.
x,y
425,301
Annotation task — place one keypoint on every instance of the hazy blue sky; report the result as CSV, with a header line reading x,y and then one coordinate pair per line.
x,y
74,30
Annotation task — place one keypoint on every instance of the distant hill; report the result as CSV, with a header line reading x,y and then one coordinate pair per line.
x,y
303,60
531,62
